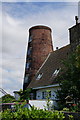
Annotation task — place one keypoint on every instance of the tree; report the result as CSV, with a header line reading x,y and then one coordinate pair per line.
x,y
24,94
70,79
48,100
7,98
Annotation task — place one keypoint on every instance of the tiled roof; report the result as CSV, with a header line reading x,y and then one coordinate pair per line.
x,y
77,25
52,63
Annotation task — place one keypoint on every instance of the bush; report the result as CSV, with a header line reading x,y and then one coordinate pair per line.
x,y
30,114
66,109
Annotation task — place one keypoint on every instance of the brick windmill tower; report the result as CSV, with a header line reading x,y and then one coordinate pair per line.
x,y
39,46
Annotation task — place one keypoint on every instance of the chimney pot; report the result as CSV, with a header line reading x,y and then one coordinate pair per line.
x,y
76,18
56,48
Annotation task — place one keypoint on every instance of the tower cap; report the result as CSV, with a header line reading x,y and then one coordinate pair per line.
x,y
39,27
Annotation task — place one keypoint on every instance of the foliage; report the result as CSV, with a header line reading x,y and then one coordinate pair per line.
x,y
66,109
70,79
71,117
7,98
0,115
24,94
48,102
75,108
31,114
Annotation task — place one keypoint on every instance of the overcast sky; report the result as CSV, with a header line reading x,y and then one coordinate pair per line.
x,y
40,0
17,18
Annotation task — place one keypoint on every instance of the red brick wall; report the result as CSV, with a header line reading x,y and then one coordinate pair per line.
x,y
41,45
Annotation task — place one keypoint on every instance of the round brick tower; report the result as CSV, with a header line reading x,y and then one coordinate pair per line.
x,y
39,46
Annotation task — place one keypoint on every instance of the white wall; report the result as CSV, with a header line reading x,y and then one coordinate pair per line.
x,y
16,95
40,104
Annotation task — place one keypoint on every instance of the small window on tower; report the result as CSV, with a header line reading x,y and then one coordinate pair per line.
x,y
28,65
39,76
29,50
26,78
30,38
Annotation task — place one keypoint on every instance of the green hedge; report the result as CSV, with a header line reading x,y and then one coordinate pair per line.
x,y
31,114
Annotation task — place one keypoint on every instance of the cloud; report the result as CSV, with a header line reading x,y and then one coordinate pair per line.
x,y
0,30
13,34
17,19
12,74
13,53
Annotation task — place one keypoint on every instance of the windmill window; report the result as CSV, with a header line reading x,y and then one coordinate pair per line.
x,y
26,78
39,76
28,65
30,38
29,50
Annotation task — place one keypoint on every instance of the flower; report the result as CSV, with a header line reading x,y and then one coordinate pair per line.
x,y
73,104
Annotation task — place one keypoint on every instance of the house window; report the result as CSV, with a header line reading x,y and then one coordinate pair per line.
x,y
56,72
46,94
31,96
50,94
39,76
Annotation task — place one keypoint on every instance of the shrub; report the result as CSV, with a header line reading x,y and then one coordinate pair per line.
x,y
71,117
66,109
31,114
